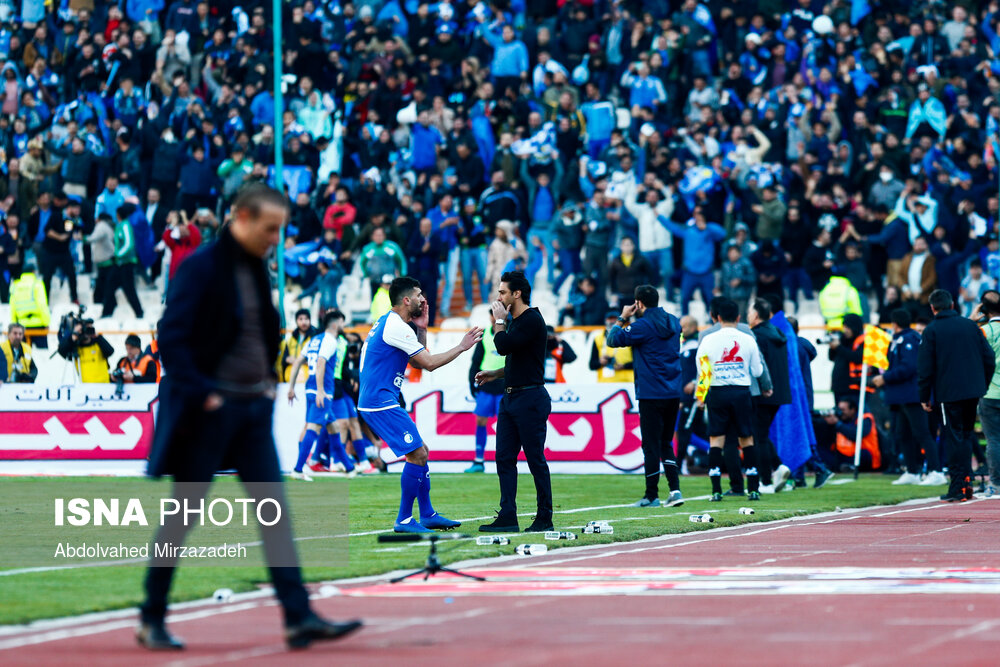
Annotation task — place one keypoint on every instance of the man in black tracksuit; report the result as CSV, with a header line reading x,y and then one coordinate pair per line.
x,y
525,406
955,365
655,339
774,350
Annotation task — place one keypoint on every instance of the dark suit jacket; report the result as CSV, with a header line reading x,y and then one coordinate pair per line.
x,y
200,324
159,221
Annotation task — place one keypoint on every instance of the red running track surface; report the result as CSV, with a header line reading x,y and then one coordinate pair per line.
x,y
910,585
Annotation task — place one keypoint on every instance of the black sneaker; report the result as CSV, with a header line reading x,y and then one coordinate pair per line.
x,y
954,496
731,493
754,495
154,636
539,525
822,477
501,525
716,498
800,484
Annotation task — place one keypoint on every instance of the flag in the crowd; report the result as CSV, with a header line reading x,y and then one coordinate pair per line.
x,y
542,141
296,180
859,10
877,342
703,17
696,179
704,378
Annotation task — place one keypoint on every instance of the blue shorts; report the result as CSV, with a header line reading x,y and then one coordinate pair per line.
x,y
487,405
314,415
395,427
343,408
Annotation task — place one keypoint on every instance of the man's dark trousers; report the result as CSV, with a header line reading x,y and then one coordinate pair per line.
x,y
959,423
62,261
522,424
912,436
239,432
657,418
767,457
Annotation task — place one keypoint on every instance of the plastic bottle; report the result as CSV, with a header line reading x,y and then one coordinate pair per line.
x,y
486,540
531,549
746,510
559,535
701,518
603,529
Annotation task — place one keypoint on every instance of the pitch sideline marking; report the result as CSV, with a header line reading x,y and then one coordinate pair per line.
x,y
254,598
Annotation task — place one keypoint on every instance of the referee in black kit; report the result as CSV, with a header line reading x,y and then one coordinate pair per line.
x,y
525,406
217,402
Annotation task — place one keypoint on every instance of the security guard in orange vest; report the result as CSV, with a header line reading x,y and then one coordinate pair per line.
x,y
136,366
841,453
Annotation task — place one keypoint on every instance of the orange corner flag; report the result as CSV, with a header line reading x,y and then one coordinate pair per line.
x,y
877,343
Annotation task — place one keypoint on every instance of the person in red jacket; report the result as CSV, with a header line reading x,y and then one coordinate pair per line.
x,y
182,237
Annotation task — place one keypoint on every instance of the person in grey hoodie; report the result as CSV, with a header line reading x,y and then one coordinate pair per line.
x,y
102,251
655,339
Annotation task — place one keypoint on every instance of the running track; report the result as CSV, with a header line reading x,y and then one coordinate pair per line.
x,y
914,584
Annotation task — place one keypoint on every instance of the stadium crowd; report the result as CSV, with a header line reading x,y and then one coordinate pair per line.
x,y
727,147
843,150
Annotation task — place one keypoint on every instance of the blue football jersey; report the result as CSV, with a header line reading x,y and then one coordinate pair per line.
x,y
390,344
321,347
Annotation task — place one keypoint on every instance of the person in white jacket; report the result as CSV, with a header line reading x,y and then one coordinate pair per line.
x,y
646,204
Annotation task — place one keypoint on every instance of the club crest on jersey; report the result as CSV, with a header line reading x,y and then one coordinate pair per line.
x,y
398,382
407,438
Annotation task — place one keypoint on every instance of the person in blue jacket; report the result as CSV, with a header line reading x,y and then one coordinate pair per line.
x,y
910,429
700,240
655,339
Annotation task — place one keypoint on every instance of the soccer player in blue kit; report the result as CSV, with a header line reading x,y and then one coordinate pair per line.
x,y
391,344
320,355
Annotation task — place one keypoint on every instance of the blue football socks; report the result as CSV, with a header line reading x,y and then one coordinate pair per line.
x,y
305,446
480,443
322,453
424,493
409,483
339,454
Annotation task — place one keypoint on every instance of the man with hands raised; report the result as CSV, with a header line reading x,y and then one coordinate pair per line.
x,y
520,336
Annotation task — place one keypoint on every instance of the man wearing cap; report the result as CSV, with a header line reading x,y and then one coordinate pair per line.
x,y
135,366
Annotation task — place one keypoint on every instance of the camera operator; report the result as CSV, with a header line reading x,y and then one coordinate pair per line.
x,y
987,315
88,351
19,364
135,366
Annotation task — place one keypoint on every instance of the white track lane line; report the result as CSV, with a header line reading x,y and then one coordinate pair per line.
x,y
96,623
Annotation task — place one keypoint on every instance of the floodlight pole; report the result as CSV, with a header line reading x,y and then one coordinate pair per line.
x,y
279,137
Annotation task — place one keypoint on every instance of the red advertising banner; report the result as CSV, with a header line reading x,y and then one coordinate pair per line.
x,y
79,422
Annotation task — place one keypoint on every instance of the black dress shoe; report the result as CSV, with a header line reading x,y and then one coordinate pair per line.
x,y
540,525
954,496
501,525
155,637
314,629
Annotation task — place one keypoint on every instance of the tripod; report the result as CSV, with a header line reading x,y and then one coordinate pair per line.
x,y
434,566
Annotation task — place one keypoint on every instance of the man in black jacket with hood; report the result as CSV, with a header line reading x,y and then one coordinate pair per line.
x,y
955,365
774,349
